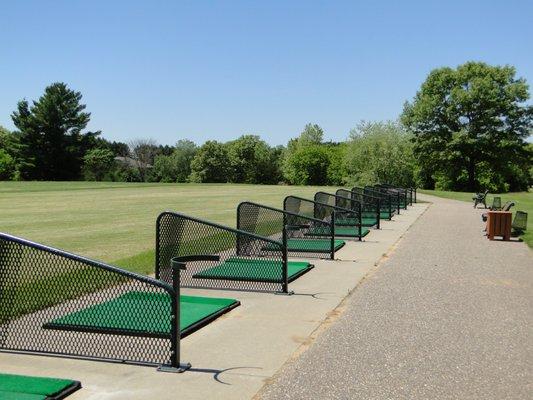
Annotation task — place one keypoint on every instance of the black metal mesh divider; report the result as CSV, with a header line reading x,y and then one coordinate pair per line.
x,y
344,215
402,194
236,259
393,195
57,303
408,191
291,228
370,205
339,201
386,199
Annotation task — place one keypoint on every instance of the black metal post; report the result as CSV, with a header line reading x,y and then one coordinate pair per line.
x,y
398,201
360,209
285,262
175,333
379,213
415,194
333,235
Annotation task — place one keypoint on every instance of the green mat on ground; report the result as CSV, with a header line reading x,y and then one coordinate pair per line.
x,y
149,314
22,387
367,221
254,269
346,231
310,245
382,214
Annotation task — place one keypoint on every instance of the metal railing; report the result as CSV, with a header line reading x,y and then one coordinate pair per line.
x,y
344,216
50,302
287,227
228,258
370,205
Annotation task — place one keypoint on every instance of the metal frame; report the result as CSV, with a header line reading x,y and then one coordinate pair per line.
x,y
388,198
182,235
396,196
39,284
371,204
357,205
283,225
408,192
323,211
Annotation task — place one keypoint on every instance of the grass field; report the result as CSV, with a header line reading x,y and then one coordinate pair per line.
x,y
523,202
115,222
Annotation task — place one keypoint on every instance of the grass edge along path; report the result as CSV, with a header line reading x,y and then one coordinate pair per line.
x,y
523,202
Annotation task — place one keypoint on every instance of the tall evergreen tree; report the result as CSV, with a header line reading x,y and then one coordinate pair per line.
x,y
50,134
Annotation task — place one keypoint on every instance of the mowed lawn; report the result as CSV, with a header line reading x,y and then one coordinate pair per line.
x,y
523,202
115,222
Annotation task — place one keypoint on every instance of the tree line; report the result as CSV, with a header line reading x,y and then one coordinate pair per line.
x,y
466,129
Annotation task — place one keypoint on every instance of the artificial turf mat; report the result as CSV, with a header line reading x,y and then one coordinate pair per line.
x,y
149,314
366,221
346,231
310,245
254,270
382,215
22,387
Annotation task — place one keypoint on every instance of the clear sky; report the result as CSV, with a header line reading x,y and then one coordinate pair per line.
x,y
203,70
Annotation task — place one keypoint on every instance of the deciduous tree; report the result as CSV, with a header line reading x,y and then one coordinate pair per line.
x,y
470,124
211,163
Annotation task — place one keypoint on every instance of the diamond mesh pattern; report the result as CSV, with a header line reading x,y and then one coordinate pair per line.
x,y
39,284
394,195
369,204
181,235
284,226
410,193
344,214
404,195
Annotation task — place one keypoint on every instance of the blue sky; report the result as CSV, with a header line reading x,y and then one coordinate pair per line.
x,y
216,70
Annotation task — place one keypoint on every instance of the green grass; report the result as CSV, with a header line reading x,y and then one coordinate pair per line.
x,y
523,202
115,222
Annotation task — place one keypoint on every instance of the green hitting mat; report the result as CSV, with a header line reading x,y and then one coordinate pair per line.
x,y
20,387
366,221
255,270
343,230
142,313
310,245
382,215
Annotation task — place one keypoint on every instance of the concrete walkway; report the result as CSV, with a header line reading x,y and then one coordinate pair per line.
x,y
449,315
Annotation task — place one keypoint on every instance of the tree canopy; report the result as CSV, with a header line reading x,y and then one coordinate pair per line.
x,y
50,134
470,124
380,152
211,163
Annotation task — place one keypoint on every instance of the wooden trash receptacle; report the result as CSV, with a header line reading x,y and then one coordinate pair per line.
x,y
499,224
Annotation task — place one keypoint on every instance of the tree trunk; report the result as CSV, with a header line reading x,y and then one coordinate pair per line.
x,y
472,185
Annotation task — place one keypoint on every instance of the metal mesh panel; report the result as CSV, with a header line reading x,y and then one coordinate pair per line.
x,y
404,195
285,226
394,195
42,290
369,204
181,235
346,209
343,213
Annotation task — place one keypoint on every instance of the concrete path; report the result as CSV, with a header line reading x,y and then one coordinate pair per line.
x,y
448,316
